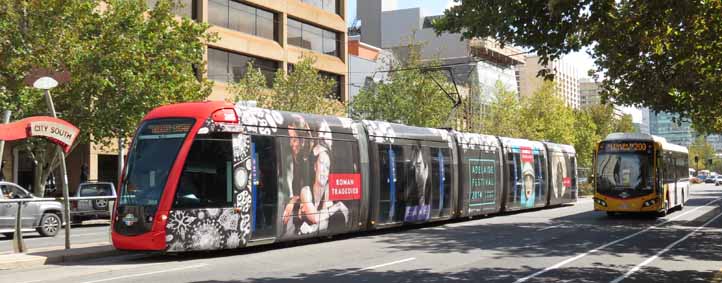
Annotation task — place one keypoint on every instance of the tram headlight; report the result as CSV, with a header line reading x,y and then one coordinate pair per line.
x,y
241,177
649,203
600,202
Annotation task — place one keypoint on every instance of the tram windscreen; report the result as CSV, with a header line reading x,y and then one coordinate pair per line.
x,y
625,169
154,150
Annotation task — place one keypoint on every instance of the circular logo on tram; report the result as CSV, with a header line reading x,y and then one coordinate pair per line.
x,y
130,219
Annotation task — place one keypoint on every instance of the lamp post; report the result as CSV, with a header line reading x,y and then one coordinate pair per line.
x,y
46,83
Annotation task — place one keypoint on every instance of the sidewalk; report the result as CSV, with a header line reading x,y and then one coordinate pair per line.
x,y
53,255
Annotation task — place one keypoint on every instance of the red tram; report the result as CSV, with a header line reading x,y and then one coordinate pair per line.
x,y
210,175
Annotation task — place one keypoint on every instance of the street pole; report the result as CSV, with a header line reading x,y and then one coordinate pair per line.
x,y
121,160
6,119
64,173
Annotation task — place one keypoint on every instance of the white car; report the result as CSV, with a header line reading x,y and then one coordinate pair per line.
x,y
718,180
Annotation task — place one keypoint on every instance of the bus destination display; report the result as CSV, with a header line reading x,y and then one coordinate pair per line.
x,y
625,147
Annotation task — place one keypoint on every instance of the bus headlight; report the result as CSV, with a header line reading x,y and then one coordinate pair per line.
x,y
600,202
650,202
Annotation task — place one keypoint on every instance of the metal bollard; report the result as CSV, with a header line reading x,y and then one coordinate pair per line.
x,y
18,244
111,203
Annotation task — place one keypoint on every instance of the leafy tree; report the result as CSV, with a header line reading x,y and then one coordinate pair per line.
x,y
624,125
606,121
410,96
585,137
302,90
123,62
703,150
603,117
544,116
502,117
661,54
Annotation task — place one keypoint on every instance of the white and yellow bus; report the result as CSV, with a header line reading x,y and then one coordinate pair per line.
x,y
639,173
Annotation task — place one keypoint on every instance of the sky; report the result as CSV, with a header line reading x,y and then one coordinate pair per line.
x,y
580,60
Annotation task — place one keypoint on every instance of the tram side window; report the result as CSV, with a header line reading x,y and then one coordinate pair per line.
x,y
418,183
440,161
392,187
206,177
515,176
573,173
541,176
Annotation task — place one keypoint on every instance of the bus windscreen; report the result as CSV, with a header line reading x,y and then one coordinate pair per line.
x,y
625,169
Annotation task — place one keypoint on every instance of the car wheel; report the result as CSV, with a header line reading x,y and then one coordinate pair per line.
x,y
49,225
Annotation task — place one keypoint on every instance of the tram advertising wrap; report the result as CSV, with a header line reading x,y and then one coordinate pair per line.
x,y
212,175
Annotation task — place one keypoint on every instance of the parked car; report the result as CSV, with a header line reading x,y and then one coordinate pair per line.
x,y
718,180
82,210
710,179
42,216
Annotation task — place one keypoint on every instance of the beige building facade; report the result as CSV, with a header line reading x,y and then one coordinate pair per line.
x,y
271,34
566,79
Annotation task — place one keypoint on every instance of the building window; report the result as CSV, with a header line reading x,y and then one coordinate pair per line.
x,y
330,6
312,37
244,18
226,66
336,90
183,8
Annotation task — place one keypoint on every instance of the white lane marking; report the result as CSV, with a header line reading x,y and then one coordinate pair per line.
x,y
148,273
112,269
63,236
377,266
551,227
666,249
560,264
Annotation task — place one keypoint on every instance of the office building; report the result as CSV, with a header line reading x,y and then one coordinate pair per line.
x,y
271,34
476,65
566,80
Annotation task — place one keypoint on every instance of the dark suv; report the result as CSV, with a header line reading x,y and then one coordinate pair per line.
x,y
82,210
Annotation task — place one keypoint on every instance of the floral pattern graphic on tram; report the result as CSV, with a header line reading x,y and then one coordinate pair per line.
x,y
203,229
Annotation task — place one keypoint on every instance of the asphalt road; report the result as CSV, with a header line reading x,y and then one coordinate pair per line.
x,y
567,244
93,232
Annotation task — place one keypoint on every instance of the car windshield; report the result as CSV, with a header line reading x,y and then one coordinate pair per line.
x,y
155,148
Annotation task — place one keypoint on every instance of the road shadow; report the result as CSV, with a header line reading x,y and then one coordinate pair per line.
x,y
582,275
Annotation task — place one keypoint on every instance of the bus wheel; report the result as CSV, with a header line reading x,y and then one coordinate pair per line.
x,y
664,211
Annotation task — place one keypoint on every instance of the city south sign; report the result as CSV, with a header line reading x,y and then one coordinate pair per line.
x,y
56,130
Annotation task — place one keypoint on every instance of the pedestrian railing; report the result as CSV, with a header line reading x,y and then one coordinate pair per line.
x,y
18,242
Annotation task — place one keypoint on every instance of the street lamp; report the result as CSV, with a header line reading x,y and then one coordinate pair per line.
x,y
46,83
